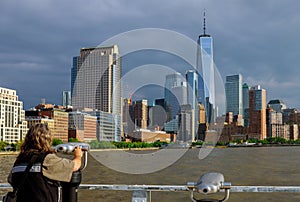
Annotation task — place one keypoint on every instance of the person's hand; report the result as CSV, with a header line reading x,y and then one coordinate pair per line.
x,y
77,158
77,152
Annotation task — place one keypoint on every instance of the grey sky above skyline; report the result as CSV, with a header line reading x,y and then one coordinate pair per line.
x,y
258,39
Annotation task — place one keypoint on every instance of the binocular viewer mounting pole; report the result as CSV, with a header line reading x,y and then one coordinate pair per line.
x,y
69,189
209,183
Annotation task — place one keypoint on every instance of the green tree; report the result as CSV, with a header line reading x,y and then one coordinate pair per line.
x,y
56,141
2,145
94,144
72,139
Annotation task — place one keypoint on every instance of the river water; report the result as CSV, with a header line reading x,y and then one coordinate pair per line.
x,y
264,166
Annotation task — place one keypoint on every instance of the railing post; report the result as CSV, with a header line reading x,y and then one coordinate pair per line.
x,y
140,196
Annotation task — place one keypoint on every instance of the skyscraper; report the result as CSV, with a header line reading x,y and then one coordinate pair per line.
x,y
157,114
186,129
205,66
257,113
95,79
95,84
66,98
175,94
234,94
246,104
192,88
192,94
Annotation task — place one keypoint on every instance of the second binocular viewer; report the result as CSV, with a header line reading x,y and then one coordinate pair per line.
x,y
210,183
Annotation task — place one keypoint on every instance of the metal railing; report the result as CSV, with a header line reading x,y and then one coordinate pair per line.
x,y
145,190
123,187
208,183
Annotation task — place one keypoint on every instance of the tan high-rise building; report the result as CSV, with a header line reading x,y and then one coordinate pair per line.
x,y
96,87
257,113
96,79
13,126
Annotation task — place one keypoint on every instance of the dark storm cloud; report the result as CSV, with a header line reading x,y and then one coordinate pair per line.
x,y
38,39
259,40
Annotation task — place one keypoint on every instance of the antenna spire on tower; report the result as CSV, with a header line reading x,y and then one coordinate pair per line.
x,y
204,28
204,25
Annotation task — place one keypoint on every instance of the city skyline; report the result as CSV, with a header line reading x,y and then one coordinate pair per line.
x,y
258,40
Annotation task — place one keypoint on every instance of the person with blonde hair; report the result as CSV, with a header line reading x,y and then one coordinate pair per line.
x,y
42,182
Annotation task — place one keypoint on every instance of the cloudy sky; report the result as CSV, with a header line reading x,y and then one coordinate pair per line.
x,y
259,39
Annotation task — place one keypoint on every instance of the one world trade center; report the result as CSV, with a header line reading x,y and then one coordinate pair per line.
x,y
205,66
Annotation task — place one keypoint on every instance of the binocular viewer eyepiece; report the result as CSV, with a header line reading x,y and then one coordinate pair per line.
x,y
70,147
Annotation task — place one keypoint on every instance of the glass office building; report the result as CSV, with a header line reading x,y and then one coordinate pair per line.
x,y
234,94
96,86
66,98
205,65
192,92
175,94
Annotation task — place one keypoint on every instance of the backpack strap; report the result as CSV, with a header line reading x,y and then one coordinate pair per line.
x,y
26,172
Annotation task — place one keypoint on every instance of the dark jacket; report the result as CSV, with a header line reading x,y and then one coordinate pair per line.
x,y
36,188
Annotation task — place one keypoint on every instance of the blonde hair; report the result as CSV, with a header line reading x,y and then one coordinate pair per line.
x,y
38,139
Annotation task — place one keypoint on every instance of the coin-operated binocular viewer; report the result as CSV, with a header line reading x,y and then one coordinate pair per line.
x,y
209,183
69,189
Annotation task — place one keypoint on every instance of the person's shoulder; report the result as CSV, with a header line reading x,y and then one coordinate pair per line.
x,y
52,158
51,155
57,168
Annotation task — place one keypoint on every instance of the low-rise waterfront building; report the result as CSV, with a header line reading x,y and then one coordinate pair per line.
x,y
31,121
108,125
150,136
172,126
59,116
82,126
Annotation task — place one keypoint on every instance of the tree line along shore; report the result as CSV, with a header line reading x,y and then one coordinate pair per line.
x,y
278,141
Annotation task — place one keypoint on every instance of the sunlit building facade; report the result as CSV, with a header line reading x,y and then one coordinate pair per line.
x,y
82,126
13,126
257,113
